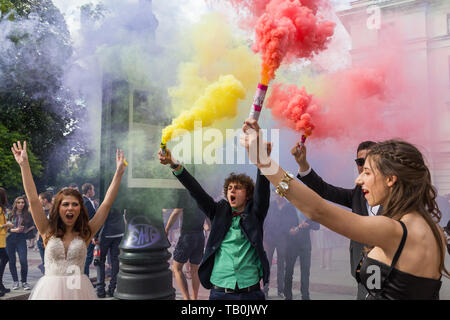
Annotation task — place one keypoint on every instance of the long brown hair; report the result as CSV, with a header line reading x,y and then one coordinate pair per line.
x,y
27,219
57,227
3,200
413,190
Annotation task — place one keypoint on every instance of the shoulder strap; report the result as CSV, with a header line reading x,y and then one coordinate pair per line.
x,y
396,256
400,247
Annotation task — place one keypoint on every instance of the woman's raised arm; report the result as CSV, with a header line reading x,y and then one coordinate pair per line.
x,y
375,231
39,217
102,213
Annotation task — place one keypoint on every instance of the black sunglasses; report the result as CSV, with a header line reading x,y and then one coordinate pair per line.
x,y
360,161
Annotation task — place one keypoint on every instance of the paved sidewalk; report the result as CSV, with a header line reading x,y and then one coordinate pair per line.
x,y
334,284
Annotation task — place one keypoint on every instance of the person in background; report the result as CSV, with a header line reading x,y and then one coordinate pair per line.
x,y
88,192
299,245
45,198
276,237
3,230
190,245
16,241
73,185
110,237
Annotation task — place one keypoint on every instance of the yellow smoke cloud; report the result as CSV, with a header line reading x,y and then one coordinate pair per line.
x,y
211,55
213,49
219,101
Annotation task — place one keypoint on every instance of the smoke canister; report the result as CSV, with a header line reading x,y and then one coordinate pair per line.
x,y
302,143
163,149
258,101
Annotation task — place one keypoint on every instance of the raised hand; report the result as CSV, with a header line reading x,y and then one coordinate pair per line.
x,y
120,161
167,159
251,139
20,154
299,153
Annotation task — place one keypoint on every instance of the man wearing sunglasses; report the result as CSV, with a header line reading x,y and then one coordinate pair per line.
x,y
351,198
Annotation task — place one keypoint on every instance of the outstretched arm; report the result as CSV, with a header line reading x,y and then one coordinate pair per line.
x,y
39,217
102,213
375,231
204,201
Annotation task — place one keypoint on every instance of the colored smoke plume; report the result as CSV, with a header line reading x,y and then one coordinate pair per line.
x,y
293,107
209,55
219,101
376,101
286,30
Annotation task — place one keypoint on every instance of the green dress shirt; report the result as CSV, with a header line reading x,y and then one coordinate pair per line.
x,y
236,261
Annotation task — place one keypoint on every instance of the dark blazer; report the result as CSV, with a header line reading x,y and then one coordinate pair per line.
x,y
278,223
251,223
91,211
113,225
302,239
90,208
351,198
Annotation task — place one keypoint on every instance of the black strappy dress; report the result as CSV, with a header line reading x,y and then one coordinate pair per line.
x,y
394,284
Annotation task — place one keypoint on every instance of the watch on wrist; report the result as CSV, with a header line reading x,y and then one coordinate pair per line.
x,y
175,165
283,186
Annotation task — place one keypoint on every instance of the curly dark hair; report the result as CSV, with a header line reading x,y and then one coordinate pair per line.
x,y
56,225
3,199
243,179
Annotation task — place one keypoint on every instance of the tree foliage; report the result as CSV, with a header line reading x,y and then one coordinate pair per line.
x,y
10,177
35,47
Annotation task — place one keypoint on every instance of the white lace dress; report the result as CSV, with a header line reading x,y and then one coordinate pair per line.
x,y
64,277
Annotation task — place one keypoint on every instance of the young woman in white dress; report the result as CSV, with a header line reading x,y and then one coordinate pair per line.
x,y
66,233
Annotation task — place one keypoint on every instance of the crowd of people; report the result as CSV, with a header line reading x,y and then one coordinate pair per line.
x,y
393,227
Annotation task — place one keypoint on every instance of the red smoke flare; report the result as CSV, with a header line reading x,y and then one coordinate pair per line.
x,y
289,30
285,30
293,107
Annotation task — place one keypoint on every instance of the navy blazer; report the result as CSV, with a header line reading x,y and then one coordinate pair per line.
x,y
90,210
251,223
351,198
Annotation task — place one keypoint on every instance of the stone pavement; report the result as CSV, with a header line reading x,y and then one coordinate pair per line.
x,y
334,284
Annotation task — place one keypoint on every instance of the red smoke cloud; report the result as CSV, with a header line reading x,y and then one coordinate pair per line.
x,y
377,101
286,30
293,107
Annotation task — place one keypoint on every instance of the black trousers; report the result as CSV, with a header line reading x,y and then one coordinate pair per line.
x,y
281,257
305,265
111,245
17,243
3,261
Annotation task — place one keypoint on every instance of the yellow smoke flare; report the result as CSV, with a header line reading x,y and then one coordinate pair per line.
x,y
219,101
220,51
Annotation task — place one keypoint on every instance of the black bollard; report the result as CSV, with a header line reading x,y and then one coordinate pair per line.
x,y
144,272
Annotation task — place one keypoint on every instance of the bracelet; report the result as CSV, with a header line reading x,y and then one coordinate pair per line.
x,y
283,186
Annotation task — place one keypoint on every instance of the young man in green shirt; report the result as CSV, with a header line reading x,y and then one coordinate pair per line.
x,y
234,261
